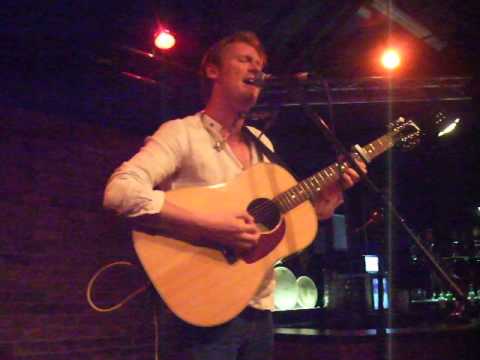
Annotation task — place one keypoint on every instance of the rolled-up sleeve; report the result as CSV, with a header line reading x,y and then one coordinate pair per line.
x,y
132,188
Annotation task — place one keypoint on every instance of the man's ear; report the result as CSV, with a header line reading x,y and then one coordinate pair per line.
x,y
212,71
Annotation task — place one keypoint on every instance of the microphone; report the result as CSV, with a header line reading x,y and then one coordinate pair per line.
x,y
262,79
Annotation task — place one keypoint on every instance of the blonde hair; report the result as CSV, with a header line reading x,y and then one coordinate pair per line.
x,y
213,56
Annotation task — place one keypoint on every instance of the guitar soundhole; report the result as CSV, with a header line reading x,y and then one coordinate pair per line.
x,y
265,212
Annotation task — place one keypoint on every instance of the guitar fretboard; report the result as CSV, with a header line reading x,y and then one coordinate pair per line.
x,y
308,188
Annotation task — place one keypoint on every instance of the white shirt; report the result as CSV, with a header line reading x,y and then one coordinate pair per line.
x,y
182,152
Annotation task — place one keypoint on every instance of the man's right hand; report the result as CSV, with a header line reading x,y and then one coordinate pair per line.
x,y
231,230
234,230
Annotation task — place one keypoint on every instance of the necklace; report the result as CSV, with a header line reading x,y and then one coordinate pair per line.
x,y
219,139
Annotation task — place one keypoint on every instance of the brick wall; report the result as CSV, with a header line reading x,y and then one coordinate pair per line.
x,y
54,235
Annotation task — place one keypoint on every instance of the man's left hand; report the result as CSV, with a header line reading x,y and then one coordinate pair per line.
x,y
332,197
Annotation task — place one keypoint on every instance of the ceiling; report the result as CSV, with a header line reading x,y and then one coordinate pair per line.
x,y
84,42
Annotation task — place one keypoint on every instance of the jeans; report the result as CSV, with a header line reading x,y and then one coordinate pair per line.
x,y
249,336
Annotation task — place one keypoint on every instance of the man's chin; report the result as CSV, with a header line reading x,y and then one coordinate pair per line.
x,y
248,101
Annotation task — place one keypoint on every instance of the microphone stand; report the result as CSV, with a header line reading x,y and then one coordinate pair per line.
x,y
328,134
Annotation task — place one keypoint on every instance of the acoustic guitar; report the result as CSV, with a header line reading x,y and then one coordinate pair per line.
x,y
208,286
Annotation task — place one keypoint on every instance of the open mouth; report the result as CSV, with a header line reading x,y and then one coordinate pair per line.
x,y
251,80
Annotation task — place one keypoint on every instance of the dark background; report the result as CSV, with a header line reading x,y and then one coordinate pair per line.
x,y
71,59
70,115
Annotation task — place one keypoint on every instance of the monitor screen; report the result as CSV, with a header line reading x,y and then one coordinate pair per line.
x,y
371,264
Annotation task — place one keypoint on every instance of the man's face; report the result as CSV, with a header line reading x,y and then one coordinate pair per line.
x,y
239,62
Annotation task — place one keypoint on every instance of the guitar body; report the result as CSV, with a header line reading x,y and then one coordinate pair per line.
x,y
198,283
205,286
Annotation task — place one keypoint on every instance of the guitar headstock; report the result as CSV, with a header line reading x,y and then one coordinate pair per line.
x,y
405,133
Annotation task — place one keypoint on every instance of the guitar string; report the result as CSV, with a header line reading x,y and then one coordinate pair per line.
x,y
322,183
265,209
305,190
284,196
267,206
264,212
307,184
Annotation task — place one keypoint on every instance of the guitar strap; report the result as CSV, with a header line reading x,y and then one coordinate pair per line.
x,y
263,149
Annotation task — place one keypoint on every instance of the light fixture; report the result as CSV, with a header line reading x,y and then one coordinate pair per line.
x,y
445,124
449,128
391,59
164,39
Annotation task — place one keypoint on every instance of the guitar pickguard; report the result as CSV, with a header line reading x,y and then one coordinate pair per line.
x,y
267,242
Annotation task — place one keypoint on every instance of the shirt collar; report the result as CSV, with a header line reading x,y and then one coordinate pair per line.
x,y
211,125
214,128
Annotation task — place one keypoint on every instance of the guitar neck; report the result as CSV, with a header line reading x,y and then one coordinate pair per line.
x,y
313,185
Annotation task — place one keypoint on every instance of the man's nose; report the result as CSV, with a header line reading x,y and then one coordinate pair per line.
x,y
255,67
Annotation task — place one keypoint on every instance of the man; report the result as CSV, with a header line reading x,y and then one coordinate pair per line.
x,y
204,149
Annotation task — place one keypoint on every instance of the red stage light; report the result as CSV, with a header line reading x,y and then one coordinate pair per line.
x,y
391,59
164,40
